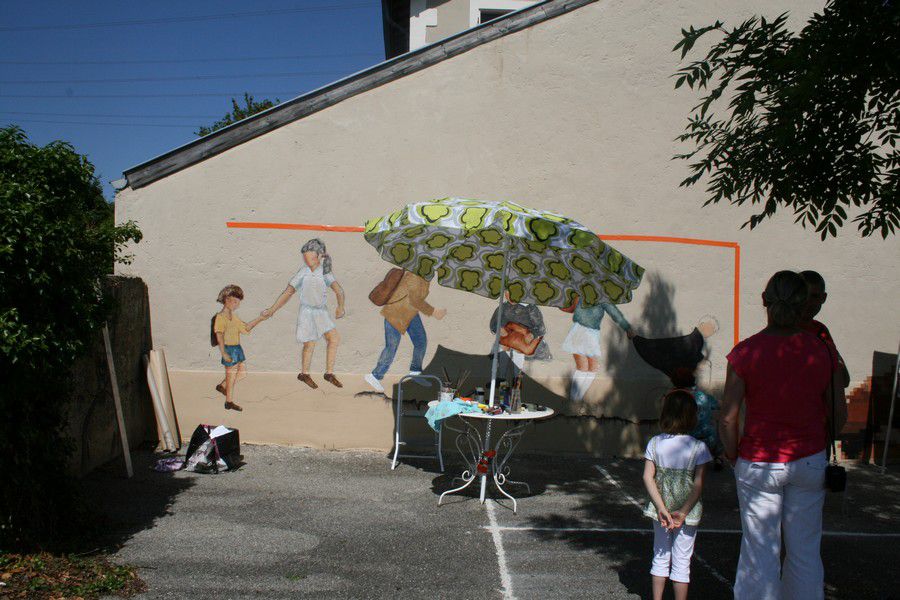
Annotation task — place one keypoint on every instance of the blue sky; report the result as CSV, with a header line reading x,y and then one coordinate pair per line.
x,y
123,92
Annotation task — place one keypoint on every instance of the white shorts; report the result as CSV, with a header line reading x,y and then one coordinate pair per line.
x,y
313,323
672,551
582,340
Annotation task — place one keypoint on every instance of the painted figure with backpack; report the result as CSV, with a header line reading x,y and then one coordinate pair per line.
x,y
311,284
225,332
402,297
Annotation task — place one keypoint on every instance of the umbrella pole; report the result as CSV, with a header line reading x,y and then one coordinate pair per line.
x,y
496,352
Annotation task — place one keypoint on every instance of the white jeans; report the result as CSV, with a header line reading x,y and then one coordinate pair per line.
x,y
672,551
776,497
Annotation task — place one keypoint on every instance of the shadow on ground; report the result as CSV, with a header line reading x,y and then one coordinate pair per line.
x,y
854,560
119,508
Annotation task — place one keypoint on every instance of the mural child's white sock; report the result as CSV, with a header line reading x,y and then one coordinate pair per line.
x,y
581,382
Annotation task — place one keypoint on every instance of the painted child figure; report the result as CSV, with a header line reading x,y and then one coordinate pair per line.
x,y
707,429
681,358
311,284
673,475
228,328
583,342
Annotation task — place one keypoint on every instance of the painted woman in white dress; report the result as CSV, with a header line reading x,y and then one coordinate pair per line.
x,y
311,283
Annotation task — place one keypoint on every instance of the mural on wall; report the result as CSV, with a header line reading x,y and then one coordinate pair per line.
x,y
311,284
583,342
226,330
522,333
464,244
402,297
503,250
680,359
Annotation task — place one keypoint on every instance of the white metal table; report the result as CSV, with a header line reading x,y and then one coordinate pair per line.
x,y
481,459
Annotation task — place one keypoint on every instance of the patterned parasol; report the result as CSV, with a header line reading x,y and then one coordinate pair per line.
x,y
464,244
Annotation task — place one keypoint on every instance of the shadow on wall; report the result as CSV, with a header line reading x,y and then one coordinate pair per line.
x,y
635,387
623,416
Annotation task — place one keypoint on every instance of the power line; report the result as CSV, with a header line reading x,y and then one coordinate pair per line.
x,y
186,95
102,123
188,60
178,78
120,116
214,17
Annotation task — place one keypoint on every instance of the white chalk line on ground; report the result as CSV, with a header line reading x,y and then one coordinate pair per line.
x,y
646,531
631,499
505,578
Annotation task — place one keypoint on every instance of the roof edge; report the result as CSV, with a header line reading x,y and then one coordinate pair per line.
x,y
287,112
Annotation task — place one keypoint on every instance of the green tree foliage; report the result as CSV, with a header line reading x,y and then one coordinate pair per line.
x,y
812,120
251,107
57,241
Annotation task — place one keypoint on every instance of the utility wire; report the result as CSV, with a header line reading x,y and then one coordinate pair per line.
x,y
178,78
186,60
214,17
187,95
120,116
185,126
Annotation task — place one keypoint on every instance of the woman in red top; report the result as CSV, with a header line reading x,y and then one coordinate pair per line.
x,y
784,376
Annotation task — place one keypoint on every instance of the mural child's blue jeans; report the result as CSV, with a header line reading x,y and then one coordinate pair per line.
x,y
416,331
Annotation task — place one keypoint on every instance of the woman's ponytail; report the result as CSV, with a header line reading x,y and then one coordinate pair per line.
x,y
784,298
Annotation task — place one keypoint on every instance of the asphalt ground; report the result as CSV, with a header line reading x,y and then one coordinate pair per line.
x,y
302,523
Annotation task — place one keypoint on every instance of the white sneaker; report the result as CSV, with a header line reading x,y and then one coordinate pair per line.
x,y
414,373
370,379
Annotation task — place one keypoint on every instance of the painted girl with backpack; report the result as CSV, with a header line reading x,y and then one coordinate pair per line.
x,y
402,297
226,332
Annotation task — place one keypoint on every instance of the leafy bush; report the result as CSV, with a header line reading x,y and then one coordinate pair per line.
x,y
58,240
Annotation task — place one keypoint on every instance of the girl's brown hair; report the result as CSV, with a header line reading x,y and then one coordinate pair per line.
x,y
679,412
230,291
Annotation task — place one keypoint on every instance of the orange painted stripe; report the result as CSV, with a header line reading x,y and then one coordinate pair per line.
x,y
302,226
612,238
666,239
737,294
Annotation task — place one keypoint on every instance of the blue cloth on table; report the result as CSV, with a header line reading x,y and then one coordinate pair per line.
x,y
447,408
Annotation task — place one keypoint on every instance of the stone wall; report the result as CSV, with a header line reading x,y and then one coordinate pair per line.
x,y
92,414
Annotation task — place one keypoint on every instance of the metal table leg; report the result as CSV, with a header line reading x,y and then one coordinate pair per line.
x,y
482,460
470,445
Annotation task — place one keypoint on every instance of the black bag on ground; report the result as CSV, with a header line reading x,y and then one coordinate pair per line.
x,y
213,449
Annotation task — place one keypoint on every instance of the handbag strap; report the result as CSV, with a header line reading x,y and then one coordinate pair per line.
x,y
832,431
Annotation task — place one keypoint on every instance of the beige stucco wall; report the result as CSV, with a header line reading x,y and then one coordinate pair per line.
x,y
452,17
576,115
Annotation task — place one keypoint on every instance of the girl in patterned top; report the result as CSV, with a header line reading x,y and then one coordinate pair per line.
x,y
673,475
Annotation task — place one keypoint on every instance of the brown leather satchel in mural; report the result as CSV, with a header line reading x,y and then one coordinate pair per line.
x,y
382,292
515,339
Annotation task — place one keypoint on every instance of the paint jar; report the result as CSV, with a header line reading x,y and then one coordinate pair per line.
x,y
447,394
479,395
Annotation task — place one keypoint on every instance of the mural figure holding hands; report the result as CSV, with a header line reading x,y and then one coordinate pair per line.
x,y
311,282
583,342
